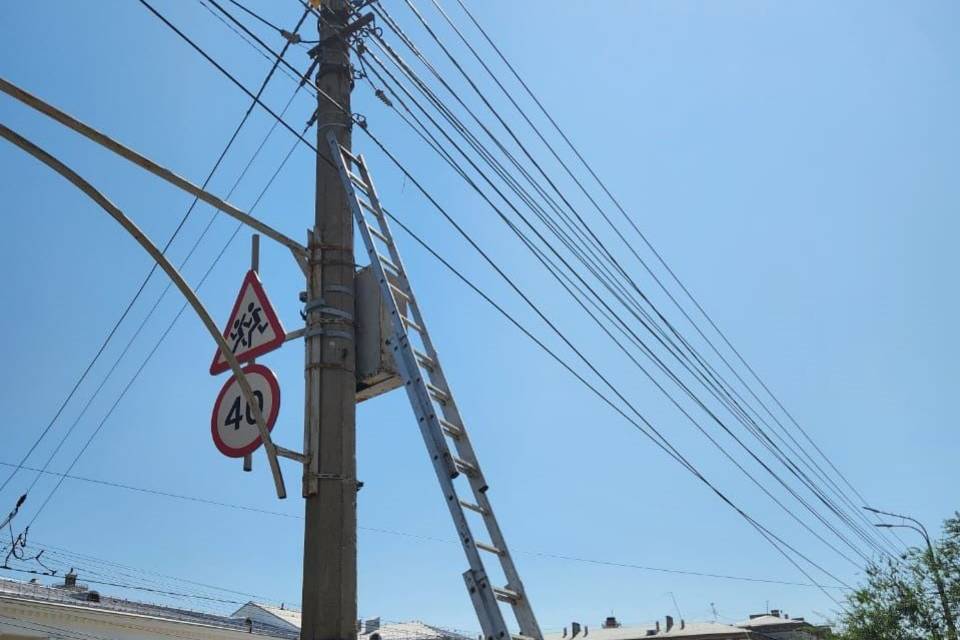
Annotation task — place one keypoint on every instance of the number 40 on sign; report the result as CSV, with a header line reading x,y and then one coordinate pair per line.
x,y
232,424
252,329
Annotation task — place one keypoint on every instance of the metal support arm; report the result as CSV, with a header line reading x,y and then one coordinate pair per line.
x,y
177,279
298,250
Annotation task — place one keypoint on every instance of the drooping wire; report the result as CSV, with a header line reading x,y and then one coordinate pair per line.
x,y
658,256
276,63
151,271
664,444
752,427
75,557
609,312
166,331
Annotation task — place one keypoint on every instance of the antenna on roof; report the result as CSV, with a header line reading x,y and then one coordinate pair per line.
x,y
675,605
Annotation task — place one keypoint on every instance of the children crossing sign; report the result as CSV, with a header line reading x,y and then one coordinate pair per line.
x,y
253,328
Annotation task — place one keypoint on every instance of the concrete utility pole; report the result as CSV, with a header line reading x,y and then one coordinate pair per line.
x,y
330,483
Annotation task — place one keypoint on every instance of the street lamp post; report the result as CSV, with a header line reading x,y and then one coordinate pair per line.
x,y
934,561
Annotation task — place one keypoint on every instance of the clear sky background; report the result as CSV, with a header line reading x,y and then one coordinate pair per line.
x,y
796,164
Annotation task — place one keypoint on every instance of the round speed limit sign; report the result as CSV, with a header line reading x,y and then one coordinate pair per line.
x,y
232,424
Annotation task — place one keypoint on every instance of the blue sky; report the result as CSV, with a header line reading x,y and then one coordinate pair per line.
x,y
794,163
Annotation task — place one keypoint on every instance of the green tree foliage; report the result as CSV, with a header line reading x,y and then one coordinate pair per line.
x,y
900,600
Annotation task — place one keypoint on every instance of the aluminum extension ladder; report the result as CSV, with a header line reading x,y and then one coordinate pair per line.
x,y
436,411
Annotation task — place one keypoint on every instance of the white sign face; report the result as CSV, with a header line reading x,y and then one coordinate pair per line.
x,y
232,424
253,328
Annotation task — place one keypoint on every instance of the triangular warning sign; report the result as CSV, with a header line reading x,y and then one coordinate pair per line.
x,y
253,328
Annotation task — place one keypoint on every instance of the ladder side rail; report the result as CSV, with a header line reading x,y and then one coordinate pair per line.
x,y
415,374
451,412
523,610
395,256
408,369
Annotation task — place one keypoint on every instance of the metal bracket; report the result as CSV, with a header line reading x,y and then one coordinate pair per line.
x,y
320,305
337,477
293,335
322,331
312,305
283,452
338,288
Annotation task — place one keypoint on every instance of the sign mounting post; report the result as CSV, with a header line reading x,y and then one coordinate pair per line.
x,y
255,267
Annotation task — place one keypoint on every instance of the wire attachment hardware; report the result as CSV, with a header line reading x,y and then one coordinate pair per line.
x,y
292,38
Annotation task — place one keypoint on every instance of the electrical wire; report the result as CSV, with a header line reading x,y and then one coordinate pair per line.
x,y
136,587
784,460
277,58
162,337
653,356
752,427
772,538
649,245
143,285
392,532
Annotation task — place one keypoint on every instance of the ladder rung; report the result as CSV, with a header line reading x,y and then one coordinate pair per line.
x,y
357,180
425,360
349,155
369,207
466,467
413,325
438,393
507,595
488,547
473,507
451,429
389,263
400,292
378,234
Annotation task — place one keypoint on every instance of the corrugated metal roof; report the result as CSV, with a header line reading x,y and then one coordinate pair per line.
x,y
274,621
386,631
80,597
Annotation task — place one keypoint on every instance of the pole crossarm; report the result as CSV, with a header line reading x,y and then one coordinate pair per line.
x,y
298,250
174,275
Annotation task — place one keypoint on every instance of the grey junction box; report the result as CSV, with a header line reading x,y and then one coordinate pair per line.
x,y
376,370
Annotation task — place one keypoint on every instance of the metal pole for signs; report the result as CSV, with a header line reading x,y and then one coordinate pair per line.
x,y
255,267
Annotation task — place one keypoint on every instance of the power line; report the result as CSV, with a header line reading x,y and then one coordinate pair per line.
x,y
630,335
136,587
256,97
162,337
653,250
772,538
755,429
405,534
143,285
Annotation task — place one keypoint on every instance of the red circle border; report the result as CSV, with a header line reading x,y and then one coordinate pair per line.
x,y
270,420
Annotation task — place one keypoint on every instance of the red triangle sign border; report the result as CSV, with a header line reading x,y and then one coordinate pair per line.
x,y
251,280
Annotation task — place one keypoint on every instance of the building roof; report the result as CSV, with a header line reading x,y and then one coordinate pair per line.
x,y
640,632
370,630
80,597
770,622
